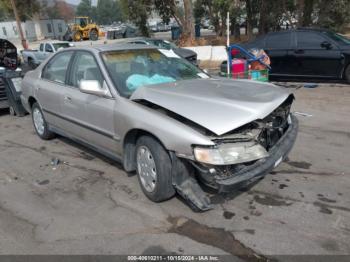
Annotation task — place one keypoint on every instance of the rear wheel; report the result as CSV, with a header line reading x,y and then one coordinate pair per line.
x,y
40,124
153,167
93,35
347,74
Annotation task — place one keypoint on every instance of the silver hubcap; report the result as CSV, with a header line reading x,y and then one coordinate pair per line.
x,y
146,168
38,121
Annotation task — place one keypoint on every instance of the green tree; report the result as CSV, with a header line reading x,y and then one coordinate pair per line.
x,y
84,8
138,12
334,14
60,10
109,11
26,8
216,11
182,12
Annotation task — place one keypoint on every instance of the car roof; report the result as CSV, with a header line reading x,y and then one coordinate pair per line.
x,y
311,29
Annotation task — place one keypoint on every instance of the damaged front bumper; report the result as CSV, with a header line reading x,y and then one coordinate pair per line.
x,y
186,185
259,168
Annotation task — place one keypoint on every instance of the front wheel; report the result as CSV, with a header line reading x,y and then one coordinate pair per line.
x,y
93,35
77,36
40,125
153,167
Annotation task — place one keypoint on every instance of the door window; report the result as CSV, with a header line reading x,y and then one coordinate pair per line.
x,y
48,48
278,40
56,69
85,67
309,40
49,28
41,47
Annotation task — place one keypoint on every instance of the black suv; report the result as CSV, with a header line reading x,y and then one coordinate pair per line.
x,y
306,53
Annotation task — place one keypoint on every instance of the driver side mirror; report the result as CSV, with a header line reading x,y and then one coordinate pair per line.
x,y
93,87
326,44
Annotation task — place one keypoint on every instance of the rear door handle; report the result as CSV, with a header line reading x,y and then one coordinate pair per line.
x,y
67,98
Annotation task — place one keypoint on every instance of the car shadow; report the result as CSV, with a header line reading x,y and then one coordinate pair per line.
x,y
216,198
222,197
4,111
89,154
219,198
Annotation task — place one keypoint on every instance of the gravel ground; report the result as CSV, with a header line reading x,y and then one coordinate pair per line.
x,y
89,205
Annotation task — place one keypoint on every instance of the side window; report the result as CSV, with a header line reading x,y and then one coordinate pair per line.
x,y
49,28
309,40
278,40
48,48
84,67
56,69
41,47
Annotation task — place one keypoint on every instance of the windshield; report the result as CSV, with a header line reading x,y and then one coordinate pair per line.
x,y
131,69
60,45
340,39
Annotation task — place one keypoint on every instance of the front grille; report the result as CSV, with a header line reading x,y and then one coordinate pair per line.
x,y
275,125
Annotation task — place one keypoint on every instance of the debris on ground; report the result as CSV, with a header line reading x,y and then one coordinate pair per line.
x,y
302,114
54,162
43,182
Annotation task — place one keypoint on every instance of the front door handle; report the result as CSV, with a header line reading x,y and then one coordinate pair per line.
x,y
67,98
299,51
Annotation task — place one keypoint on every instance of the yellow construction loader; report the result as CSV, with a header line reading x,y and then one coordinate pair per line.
x,y
82,28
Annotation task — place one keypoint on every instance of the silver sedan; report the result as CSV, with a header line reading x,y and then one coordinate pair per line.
x,y
162,117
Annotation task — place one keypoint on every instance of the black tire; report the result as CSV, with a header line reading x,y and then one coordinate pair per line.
x,y
347,74
46,134
31,63
164,188
93,35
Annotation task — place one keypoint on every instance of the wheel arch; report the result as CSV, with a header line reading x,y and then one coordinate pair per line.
x,y
31,101
346,65
129,147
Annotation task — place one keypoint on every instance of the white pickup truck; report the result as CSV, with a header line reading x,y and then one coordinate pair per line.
x,y
34,57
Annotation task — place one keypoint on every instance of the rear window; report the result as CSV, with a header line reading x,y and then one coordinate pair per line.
x,y
60,45
278,40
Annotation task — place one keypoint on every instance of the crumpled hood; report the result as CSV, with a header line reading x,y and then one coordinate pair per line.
x,y
219,105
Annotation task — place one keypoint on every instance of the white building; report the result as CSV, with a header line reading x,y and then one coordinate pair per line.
x,y
34,30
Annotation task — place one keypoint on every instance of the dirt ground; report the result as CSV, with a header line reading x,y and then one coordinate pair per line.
x,y
87,204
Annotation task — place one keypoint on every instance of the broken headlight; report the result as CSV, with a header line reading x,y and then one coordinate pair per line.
x,y
229,154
